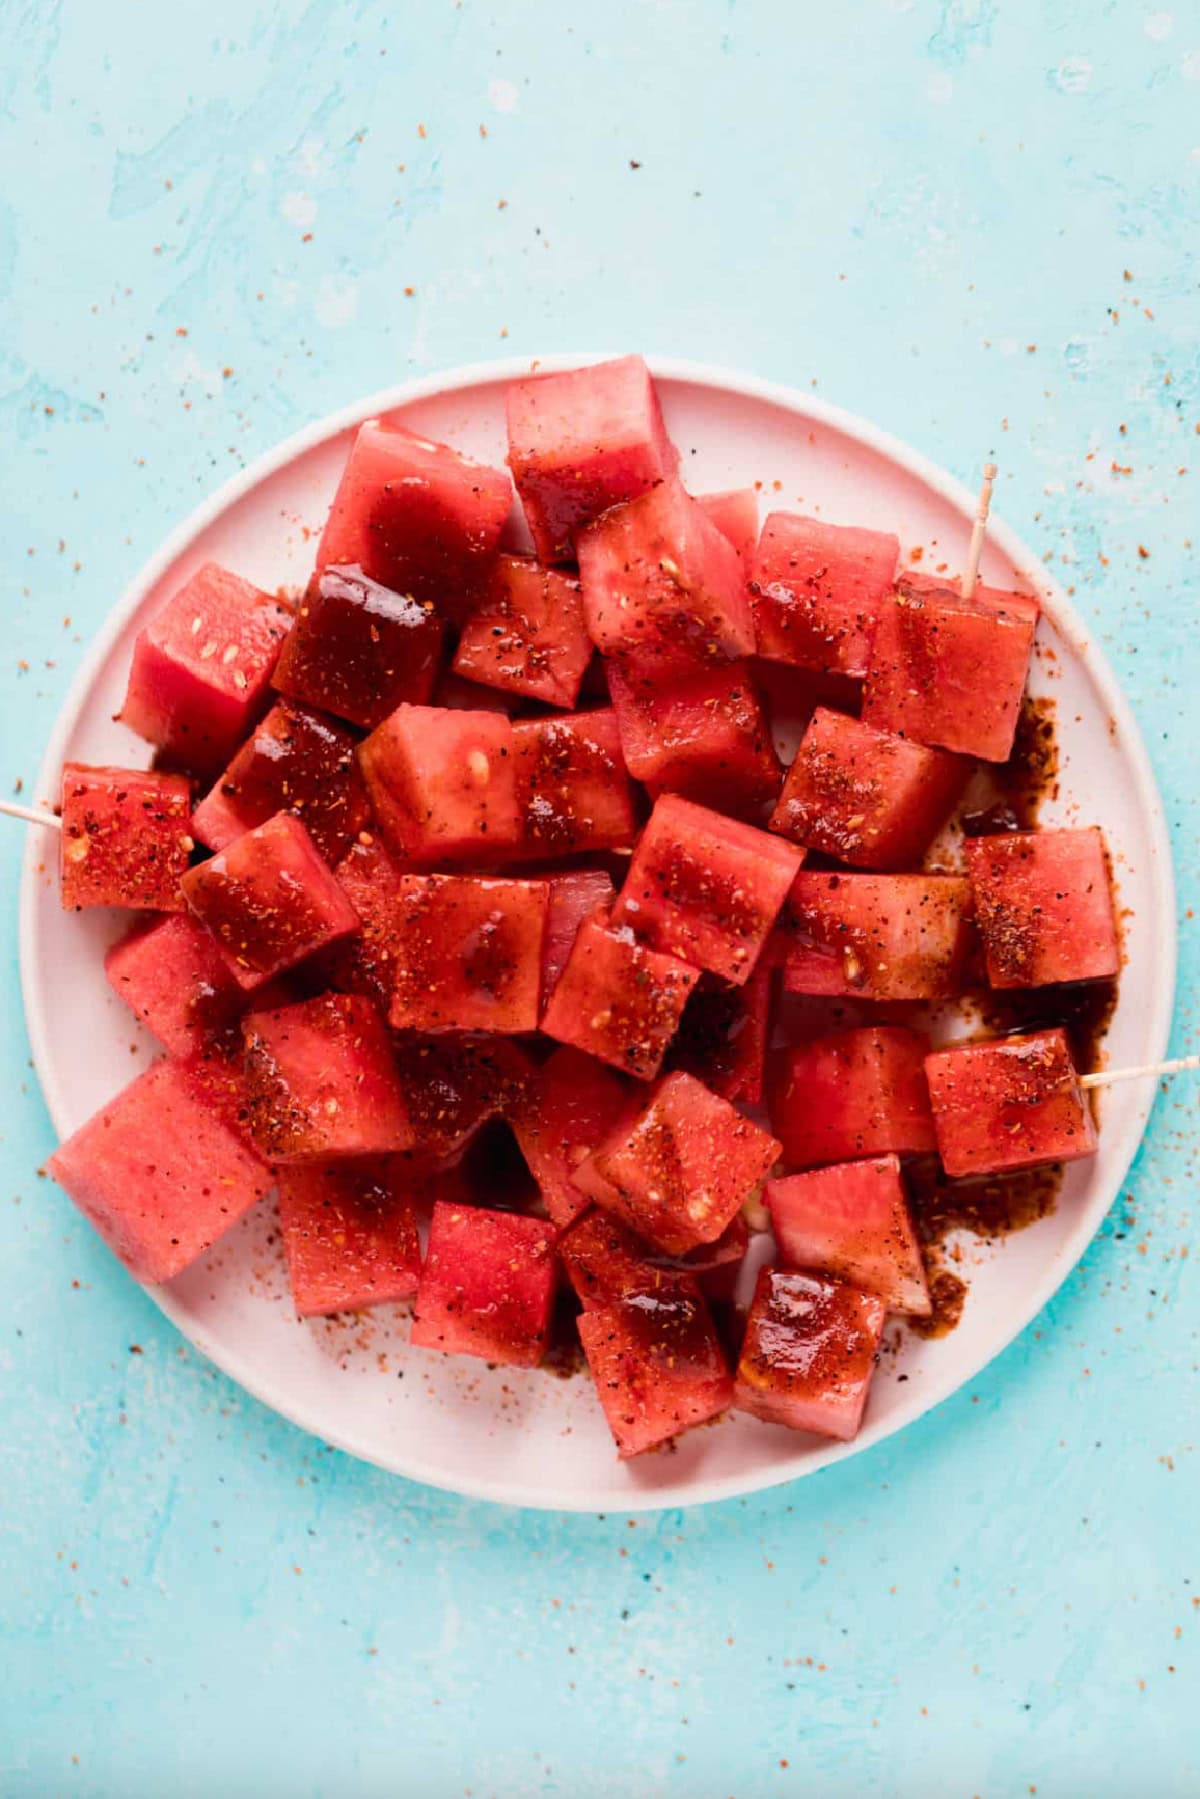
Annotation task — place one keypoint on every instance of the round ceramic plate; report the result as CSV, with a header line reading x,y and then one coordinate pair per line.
x,y
528,1437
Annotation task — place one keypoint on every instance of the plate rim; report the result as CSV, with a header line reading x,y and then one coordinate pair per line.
x,y
1159,999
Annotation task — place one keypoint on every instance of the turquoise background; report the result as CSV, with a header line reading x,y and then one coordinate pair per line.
x,y
974,221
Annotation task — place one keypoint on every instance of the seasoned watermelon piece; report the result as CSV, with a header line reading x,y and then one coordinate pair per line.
x,y
1045,907
658,1366
868,797
415,516
467,953
568,1111
573,898
349,1233
705,887
852,1223
1014,1102
177,982
202,666
370,878
321,1081
950,671
663,588
443,783
734,512
573,793
851,1094
583,441
454,1085
487,1287
680,1172
818,589
706,737
296,761
158,1173
878,937
526,635
269,900
604,1262
359,650
618,1000
126,838
722,1036
809,1353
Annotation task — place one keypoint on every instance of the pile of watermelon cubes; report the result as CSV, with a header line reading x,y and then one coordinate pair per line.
x,y
473,847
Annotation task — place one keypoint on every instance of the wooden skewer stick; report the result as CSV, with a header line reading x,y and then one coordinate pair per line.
x,y
978,530
31,814
1108,1077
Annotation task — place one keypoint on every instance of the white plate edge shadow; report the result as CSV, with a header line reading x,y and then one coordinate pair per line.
x,y
1158,1001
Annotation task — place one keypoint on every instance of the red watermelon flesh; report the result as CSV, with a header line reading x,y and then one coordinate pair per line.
x,y
527,635
467,954
851,1094
269,900
573,897
487,1287
415,516
706,737
570,1109
322,1083
349,1233
809,1353
177,982
573,793
1011,1103
370,877
442,784
852,1223
126,838
658,1366
734,511
1045,907
582,441
817,591
618,1000
359,650
202,666
605,1262
454,1085
297,760
722,1036
878,937
158,1173
866,796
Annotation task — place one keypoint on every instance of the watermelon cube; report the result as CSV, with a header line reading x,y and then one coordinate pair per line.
x,y
487,1287
852,1223
1011,1103
126,838
415,516
679,1173
663,588
618,1000
734,511
573,898
569,1109
809,1353
852,1094
526,634
605,1262
453,1086
658,1366
443,783
722,1036
1045,907
269,900
706,737
868,797
158,1173
202,667
573,793
359,650
817,591
349,1234
176,981
297,761
878,937
706,888
467,954
321,1081
371,880
950,671
583,441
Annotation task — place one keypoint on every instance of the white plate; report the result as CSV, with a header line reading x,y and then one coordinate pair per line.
x,y
529,1438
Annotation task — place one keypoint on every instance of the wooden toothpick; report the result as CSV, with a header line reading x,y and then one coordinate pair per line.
x,y
1108,1077
978,530
31,815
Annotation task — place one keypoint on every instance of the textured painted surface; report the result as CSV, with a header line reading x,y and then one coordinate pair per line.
x,y
976,223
